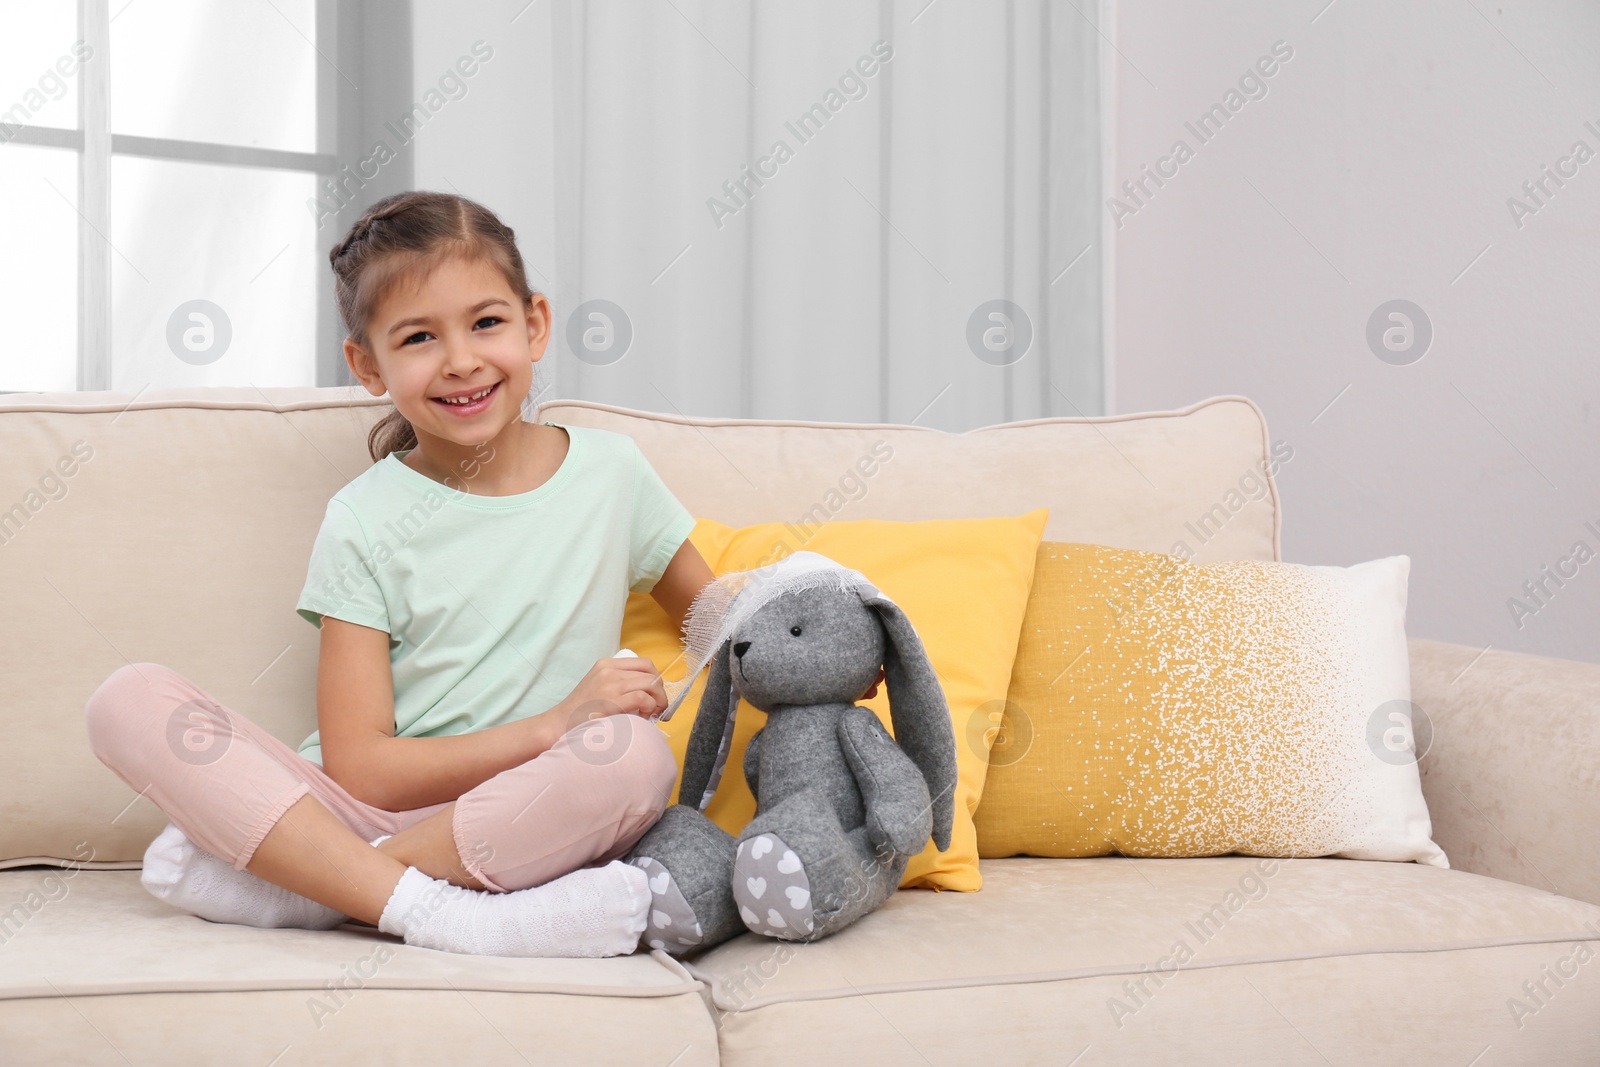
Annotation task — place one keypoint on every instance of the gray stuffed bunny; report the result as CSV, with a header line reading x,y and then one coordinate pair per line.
x,y
841,807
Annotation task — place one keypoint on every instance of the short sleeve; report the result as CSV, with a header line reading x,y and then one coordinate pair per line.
x,y
660,525
339,581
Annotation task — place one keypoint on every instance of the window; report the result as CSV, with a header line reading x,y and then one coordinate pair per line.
x,y
162,162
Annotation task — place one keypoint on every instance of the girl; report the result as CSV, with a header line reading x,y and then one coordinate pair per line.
x,y
479,768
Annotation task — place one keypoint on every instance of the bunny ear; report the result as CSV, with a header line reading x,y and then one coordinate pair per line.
x,y
711,735
920,714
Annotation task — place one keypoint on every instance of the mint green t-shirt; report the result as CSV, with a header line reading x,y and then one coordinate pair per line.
x,y
495,606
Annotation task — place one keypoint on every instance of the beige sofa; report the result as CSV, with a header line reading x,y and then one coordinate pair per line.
x,y
174,527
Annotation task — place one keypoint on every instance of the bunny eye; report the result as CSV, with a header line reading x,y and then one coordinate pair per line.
x,y
795,630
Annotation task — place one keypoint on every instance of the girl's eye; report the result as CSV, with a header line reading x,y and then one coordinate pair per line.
x,y
491,319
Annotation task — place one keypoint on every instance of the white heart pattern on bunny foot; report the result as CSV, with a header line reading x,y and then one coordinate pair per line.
x,y
671,925
772,890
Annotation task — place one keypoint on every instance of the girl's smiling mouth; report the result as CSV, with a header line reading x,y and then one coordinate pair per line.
x,y
481,401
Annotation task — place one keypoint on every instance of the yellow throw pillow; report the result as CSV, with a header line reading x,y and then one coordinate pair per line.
x,y
1164,708
964,585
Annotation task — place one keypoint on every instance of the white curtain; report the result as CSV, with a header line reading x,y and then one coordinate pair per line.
x,y
806,210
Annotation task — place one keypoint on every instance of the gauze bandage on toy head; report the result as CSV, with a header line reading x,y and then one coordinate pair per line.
x,y
725,602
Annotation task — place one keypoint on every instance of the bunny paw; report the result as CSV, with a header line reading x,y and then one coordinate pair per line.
x,y
772,890
671,925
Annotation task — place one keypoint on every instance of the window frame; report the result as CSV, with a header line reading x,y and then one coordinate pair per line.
x,y
350,33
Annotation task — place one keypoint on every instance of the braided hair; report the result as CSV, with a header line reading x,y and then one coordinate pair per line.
x,y
403,237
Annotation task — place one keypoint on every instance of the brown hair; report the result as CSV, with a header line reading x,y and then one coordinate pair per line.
x,y
405,236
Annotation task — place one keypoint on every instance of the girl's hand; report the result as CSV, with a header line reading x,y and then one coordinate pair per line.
x,y
620,685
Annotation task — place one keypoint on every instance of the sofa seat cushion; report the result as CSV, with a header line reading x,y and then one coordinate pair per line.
x,y
94,966
1238,960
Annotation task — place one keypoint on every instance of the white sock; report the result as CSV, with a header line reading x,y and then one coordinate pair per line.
x,y
594,911
178,871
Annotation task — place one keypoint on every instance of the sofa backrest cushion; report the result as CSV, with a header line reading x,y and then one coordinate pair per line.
x,y
174,526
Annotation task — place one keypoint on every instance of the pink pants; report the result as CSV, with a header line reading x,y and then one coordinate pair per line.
x,y
224,781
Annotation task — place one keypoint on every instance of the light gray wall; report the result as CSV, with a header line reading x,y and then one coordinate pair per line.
x,y
1378,166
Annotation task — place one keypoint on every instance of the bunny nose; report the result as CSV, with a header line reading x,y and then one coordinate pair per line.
x,y
740,648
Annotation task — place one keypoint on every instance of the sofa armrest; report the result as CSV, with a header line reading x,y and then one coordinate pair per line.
x,y
1512,772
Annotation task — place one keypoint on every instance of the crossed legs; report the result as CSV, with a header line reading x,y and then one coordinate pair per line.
x,y
240,794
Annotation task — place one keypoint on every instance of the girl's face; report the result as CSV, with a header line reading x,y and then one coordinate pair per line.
x,y
460,333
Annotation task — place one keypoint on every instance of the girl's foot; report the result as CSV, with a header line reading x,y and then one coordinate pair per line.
x,y
186,876
594,911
